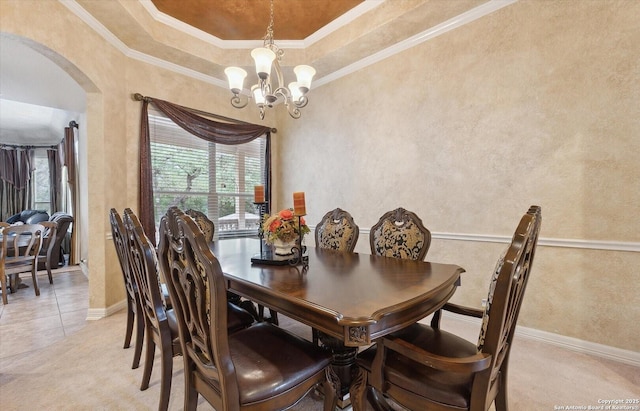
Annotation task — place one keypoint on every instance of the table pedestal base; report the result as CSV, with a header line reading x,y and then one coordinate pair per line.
x,y
344,359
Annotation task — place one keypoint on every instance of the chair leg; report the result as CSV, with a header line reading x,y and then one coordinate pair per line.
x,y
190,393
34,276
139,319
48,265
501,403
3,284
130,317
165,379
148,361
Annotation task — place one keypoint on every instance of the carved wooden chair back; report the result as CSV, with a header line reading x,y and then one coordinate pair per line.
x,y
207,226
134,310
337,231
161,328
400,234
423,367
220,365
20,247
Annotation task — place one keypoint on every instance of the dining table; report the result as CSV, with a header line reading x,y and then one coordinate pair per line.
x,y
350,298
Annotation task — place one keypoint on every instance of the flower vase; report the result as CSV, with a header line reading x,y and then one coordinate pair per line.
x,y
282,248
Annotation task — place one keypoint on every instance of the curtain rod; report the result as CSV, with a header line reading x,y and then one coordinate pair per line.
x,y
28,147
140,97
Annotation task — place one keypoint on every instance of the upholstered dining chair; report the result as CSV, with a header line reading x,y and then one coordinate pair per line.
x,y
424,367
400,234
134,311
20,247
204,223
160,325
262,367
337,231
48,245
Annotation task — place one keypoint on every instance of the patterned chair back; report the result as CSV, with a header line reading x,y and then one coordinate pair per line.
x,y
400,234
204,223
337,231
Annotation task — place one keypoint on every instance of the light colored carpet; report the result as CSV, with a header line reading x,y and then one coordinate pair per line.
x,y
89,370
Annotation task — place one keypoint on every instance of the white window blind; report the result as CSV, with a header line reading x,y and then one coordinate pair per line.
x,y
217,179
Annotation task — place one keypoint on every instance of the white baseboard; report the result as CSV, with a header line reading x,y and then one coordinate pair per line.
x,y
99,313
568,343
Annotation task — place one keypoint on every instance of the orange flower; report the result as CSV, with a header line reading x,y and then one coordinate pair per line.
x,y
302,222
274,225
286,214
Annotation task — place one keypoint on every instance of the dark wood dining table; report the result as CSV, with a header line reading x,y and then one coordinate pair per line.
x,y
351,298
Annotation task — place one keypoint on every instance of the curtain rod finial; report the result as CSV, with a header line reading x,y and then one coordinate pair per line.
x,y
72,123
137,97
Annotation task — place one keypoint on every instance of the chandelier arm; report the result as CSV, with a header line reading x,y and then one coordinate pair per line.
x,y
304,100
237,102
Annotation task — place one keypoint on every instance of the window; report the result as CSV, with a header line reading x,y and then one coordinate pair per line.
x,y
41,183
217,179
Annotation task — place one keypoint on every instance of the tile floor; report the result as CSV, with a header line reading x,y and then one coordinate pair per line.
x,y
59,311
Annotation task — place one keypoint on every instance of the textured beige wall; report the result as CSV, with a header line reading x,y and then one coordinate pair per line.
x,y
536,103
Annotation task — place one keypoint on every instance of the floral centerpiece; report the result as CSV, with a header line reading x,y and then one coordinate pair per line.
x,y
282,228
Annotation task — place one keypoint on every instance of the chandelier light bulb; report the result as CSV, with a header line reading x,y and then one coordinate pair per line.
x,y
236,77
263,58
256,91
295,91
304,74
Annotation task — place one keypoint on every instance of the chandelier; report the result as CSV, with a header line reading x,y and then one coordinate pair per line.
x,y
263,93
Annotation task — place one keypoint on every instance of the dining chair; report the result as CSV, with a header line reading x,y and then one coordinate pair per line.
x,y
160,325
134,310
204,223
262,367
20,247
48,244
55,258
400,233
424,367
208,229
337,231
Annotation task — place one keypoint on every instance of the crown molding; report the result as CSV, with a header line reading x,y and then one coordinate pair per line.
x,y
444,27
462,19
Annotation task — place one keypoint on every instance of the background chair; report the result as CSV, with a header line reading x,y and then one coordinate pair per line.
x,y
55,259
29,217
337,231
48,244
400,234
423,367
20,247
204,223
161,328
221,366
134,311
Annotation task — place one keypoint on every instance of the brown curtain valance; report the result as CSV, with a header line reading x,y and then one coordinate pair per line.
x,y
205,128
15,166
